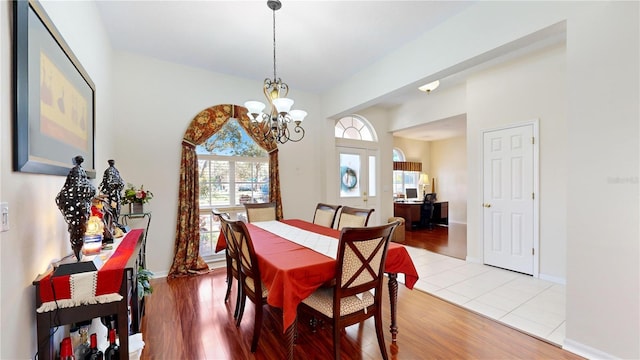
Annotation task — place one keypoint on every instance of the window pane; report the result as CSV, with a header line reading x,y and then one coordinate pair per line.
x,y
349,175
208,234
372,175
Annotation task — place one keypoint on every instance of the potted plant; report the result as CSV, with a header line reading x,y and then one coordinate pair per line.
x,y
136,198
144,285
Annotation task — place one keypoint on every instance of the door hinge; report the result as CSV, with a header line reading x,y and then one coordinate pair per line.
x,y
533,140
533,251
533,196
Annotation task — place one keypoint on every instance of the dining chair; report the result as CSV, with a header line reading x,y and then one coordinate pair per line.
x,y
252,286
260,211
325,214
360,262
353,217
231,255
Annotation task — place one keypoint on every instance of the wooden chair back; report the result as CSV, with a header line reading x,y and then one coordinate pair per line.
x,y
252,286
325,214
353,217
360,261
250,272
260,211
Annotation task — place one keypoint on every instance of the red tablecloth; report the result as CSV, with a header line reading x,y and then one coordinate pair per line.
x,y
292,272
94,287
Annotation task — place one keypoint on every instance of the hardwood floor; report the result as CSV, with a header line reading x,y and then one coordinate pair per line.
x,y
187,318
450,241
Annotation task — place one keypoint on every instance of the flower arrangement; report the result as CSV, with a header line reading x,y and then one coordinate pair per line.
x,y
136,196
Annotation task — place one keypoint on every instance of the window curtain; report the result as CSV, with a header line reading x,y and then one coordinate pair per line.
x,y
186,259
407,166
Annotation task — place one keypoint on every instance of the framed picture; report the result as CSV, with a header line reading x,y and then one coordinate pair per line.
x,y
54,110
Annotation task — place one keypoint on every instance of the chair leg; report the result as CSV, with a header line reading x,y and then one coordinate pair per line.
x,y
336,340
257,327
243,300
380,335
229,280
239,295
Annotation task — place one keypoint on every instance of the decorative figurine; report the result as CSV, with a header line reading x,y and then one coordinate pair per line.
x,y
74,202
112,185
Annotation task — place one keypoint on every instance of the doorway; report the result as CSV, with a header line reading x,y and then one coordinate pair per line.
x,y
510,210
358,178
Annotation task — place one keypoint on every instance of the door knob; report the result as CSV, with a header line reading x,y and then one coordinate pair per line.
x,y
486,205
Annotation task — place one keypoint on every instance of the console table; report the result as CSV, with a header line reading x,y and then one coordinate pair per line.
x,y
410,211
124,220
125,286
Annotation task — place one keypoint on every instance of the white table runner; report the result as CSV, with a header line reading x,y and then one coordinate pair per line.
x,y
322,244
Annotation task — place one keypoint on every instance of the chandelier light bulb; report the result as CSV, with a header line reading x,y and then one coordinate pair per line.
x,y
283,105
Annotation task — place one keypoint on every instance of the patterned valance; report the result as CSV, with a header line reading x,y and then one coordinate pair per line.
x,y
407,166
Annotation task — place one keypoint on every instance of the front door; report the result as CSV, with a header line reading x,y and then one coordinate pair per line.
x,y
358,169
508,201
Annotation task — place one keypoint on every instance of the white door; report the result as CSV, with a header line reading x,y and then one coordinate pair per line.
x,y
508,180
358,179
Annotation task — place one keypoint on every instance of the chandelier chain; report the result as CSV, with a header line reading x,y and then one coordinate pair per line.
x,y
274,45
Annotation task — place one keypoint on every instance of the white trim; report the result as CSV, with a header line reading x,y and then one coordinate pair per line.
x,y
554,279
457,222
585,351
536,187
474,260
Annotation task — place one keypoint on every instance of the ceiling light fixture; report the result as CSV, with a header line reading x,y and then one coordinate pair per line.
x,y
430,86
275,125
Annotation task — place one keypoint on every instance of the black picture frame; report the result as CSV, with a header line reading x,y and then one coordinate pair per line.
x,y
54,109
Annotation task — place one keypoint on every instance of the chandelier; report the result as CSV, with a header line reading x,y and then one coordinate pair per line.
x,y
281,124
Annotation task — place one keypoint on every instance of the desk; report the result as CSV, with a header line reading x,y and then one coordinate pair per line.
x,y
410,211
292,272
116,288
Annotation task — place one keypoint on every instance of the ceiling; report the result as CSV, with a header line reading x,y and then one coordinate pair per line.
x,y
319,43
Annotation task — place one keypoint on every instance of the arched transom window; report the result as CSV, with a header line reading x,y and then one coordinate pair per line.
x,y
354,127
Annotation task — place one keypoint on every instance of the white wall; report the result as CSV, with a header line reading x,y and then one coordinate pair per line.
x,y
598,152
449,167
512,93
38,232
155,103
603,277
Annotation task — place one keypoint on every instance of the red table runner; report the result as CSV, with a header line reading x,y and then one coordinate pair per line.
x,y
292,272
92,287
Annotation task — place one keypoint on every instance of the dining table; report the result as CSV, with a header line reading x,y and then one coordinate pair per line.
x,y
292,271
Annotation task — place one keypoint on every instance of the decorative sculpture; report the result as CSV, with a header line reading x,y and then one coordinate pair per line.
x,y
112,185
74,202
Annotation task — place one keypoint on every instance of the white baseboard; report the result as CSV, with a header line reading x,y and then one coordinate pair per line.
x,y
473,260
457,222
160,274
585,351
553,279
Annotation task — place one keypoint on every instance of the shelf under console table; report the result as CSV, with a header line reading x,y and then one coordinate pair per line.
x,y
114,290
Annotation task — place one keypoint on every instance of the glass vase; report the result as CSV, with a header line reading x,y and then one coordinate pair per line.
x,y
136,208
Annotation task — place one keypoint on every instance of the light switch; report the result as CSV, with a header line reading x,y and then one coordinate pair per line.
x,y
4,216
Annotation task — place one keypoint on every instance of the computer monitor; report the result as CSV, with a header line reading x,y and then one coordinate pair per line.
x,y
412,193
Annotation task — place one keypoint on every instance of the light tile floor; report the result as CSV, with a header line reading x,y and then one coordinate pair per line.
x,y
534,306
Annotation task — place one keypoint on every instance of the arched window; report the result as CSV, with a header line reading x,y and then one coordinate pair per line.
x,y
406,175
354,127
398,155
233,169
